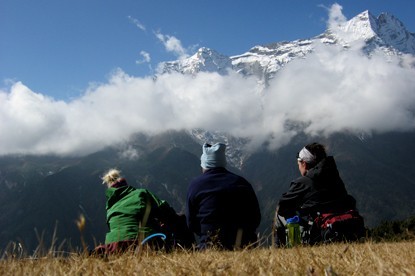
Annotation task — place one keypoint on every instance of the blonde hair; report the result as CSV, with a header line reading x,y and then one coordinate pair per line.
x,y
111,176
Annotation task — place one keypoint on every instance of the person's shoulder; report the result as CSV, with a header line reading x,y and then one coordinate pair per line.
x,y
143,191
329,162
196,181
239,178
140,192
231,173
198,178
243,179
302,180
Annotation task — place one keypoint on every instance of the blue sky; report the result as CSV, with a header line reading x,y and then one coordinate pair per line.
x,y
76,75
57,47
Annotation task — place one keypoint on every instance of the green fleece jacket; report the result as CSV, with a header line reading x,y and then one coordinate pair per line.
x,y
126,210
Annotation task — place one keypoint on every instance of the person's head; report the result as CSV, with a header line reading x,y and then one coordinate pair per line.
x,y
213,156
309,156
111,176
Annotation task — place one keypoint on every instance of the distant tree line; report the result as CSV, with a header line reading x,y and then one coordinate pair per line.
x,y
397,230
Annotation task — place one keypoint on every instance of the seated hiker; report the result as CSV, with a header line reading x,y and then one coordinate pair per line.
x,y
320,199
222,208
134,214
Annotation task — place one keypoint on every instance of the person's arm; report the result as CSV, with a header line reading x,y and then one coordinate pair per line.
x,y
291,201
191,212
256,209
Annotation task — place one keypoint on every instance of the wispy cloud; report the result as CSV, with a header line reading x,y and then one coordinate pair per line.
x,y
145,58
172,44
331,90
137,23
336,17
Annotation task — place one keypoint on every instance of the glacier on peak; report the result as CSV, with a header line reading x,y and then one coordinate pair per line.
x,y
359,27
385,33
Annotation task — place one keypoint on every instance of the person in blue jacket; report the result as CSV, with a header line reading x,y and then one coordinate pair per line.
x,y
222,208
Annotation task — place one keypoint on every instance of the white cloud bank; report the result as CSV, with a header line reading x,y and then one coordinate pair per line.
x,y
331,90
335,90
110,113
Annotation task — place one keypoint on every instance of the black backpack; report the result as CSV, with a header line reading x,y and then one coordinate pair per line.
x,y
165,220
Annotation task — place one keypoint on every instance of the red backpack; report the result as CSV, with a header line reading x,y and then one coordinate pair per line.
x,y
348,226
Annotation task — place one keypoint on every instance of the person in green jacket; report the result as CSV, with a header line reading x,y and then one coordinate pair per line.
x,y
134,214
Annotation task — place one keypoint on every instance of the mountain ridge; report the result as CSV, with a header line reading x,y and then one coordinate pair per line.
x,y
263,61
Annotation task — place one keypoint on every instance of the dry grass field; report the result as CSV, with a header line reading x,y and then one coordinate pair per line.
x,y
389,258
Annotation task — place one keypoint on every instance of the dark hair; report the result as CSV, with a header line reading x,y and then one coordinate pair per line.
x,y
318,150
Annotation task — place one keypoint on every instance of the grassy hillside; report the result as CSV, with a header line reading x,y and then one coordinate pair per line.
x,y
335,259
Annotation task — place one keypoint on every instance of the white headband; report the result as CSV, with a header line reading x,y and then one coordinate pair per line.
x,y
306,156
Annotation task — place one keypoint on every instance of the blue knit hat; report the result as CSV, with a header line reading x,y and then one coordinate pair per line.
x,y
213,156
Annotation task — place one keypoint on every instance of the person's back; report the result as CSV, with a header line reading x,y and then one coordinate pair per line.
x,y
129,213
223,204
135,214
222,208
318,192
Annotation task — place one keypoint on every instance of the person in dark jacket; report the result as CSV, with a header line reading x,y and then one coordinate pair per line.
x,y
318,190
134,214
222,208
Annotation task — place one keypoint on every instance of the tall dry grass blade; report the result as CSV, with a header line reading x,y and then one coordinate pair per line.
x,y
13,250
40,249
81,224
51,251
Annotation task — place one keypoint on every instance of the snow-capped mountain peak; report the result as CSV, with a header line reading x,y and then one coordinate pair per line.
x,y
362,26
385,31
204,60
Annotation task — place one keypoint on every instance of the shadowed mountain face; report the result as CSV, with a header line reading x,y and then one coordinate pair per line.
x,y
41,194
44,194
